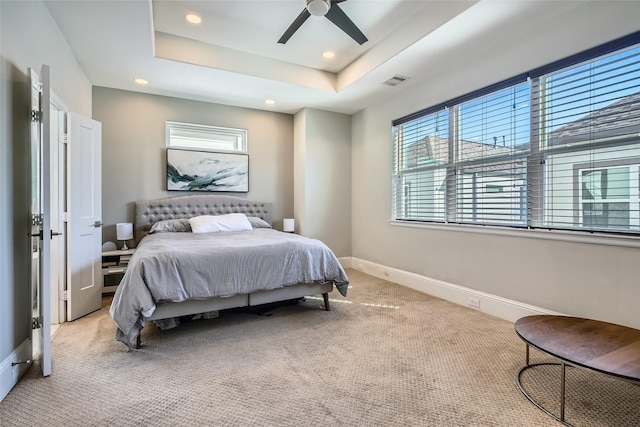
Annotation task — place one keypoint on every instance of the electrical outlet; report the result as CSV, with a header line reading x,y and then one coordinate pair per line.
x,y
474,302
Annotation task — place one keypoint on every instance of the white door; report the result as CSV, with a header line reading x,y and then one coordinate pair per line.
x,y
84,244
40,218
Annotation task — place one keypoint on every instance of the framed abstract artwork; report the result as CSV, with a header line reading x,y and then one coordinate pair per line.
x,y
207,171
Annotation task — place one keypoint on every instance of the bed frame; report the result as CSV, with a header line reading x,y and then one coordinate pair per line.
x,y
150,211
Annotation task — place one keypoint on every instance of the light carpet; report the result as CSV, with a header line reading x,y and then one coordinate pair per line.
x,y
384,356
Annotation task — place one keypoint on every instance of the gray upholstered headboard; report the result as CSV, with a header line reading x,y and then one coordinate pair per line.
x,y
150,211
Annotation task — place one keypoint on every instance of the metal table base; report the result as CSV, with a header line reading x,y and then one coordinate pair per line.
x,y
563,367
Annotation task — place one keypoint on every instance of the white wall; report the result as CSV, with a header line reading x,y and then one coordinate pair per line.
x,y
588,280
322,171
28,38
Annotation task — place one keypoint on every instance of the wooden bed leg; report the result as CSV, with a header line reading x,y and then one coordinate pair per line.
x,y
326,301
139,341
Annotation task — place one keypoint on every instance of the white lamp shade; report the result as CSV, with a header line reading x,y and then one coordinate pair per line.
x,y
124,231
288,225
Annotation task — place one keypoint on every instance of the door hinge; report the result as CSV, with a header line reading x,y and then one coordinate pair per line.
x,y
64,295
65,216
64,138
36,116
36,219
36,323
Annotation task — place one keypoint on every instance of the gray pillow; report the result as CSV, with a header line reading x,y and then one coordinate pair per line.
x,y
258,222
180,225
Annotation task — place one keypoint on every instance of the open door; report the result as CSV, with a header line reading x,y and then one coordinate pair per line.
x,y
85,212
41,233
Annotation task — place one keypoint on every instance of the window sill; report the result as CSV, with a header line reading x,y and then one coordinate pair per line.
x,y
560,235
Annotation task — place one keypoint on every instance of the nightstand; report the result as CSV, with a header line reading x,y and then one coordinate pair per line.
x,y
114,265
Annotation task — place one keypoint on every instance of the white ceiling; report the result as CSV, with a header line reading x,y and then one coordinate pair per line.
x,y
233,57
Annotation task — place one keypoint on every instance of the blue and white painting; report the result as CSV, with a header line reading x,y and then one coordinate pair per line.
x,y
206,171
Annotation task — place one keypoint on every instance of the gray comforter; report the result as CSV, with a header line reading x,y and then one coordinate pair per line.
x,y
175,267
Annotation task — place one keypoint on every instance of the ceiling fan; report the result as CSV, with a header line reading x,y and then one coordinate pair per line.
x,y
330,10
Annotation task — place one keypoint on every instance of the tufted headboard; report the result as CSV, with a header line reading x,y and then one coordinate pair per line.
x,y
150,211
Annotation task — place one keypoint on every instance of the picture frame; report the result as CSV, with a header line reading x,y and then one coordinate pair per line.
x,y
189,170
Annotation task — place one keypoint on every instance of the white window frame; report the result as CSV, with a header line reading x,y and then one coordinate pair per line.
x,y
225,143
536,225
633,198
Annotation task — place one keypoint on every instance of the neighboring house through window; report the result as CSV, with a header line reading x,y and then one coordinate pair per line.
x,y
609,197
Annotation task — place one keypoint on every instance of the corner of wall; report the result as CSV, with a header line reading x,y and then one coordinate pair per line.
x,y
322,145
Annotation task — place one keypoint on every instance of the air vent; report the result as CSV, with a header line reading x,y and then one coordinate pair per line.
x,y
395,80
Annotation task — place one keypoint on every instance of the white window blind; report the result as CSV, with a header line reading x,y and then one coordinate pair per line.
x,y
491,158
560,150
420,168
590,145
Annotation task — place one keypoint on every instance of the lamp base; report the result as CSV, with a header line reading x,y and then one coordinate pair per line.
x,y
124,246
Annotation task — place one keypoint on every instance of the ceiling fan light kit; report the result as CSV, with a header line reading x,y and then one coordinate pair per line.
x,y
318,7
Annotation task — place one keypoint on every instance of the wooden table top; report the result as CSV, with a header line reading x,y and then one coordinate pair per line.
x,y
601,346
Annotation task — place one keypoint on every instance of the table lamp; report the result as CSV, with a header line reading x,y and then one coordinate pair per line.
x,y
124,231
288,225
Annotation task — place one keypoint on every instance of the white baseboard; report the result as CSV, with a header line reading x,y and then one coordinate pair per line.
x,y
9,375
345,262
487,303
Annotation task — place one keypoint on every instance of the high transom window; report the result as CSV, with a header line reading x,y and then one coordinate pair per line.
x,y
214,138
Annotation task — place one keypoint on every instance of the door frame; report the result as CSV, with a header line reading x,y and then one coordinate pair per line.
x,y
59,164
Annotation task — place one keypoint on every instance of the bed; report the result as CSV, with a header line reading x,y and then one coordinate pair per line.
x,y
175,272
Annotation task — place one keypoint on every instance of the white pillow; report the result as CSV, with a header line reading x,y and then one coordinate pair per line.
x,y
217,223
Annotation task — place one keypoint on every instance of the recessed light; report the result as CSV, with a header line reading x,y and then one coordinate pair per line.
x,y
269,101
193,18
328,54
140,81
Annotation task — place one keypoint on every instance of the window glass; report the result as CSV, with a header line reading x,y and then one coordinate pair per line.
x,y
561,150
608,198
591,118
422,155
185,135
494,125
493,140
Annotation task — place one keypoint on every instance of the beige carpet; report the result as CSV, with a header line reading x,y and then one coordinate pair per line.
x,y
384,356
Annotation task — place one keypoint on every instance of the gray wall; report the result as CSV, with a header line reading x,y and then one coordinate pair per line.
x,y
322,171
134,150
28,38
588,280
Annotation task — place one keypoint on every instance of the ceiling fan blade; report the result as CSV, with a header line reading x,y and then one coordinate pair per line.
x,y
304,15
342,21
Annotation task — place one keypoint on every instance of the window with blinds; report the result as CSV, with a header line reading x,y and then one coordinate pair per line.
x,y
589,116
490,158
558,148
421,161
187,135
